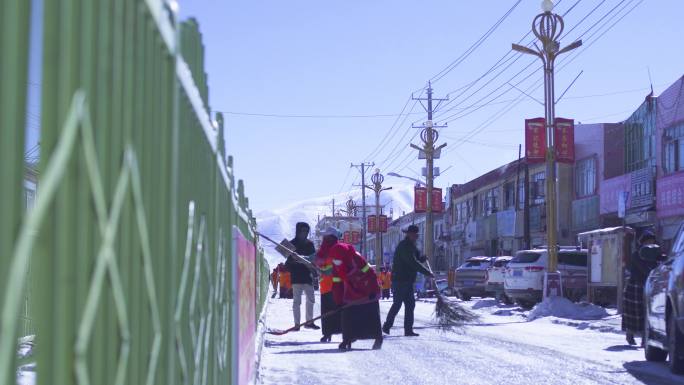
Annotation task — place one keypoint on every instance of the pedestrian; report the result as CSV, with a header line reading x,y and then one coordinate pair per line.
x,y
405,267
301,275
361,292
386,278
331,287
274,281
638,267
283,281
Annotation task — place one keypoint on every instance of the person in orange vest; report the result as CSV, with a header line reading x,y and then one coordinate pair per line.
x,y
329,284
288,284
282,280
361,292
386,283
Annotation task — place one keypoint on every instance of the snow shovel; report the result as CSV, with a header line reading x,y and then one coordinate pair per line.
x,y
362,301
449,314
286,249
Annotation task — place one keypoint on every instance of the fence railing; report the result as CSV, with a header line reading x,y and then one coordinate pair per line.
x,y
139,272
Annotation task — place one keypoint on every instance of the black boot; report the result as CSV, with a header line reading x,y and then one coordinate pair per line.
x,y
630,338
386,329
377,345
345,345
326,338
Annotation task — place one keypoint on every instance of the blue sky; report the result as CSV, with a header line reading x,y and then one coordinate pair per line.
x,y
365,57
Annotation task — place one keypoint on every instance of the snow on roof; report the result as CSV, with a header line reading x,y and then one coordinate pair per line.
x,y
607,230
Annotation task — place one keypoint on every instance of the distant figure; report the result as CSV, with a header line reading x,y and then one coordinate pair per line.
x,y
404,269
386,282
274,282
283,281
302,281
361,313
639,266
331,287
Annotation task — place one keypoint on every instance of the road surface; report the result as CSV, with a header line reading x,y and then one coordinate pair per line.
x,y
503,348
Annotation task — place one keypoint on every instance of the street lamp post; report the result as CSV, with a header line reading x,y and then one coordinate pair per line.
x,y
548,27
377,180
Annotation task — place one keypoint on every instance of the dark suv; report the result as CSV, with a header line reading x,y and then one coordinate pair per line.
x,y
664,300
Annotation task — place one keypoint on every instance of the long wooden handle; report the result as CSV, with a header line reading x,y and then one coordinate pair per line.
x,y
292,252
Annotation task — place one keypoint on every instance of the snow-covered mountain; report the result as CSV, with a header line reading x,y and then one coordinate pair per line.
x,y
280,223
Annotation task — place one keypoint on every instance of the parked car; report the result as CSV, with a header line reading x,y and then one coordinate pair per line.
x,y
429,291
524,276
471,277
664,302
495,279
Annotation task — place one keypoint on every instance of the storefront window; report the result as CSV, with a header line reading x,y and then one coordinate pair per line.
x,y
640,137
585,177
674,149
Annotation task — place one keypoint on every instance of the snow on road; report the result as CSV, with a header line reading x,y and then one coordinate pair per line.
x,y
502,348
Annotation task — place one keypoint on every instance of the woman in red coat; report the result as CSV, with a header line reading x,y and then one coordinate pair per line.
x,y
361,292
331,289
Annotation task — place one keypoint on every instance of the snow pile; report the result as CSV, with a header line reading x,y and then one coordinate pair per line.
x,y
564,308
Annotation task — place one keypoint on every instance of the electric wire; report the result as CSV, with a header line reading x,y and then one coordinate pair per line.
x,y
474,46
508,108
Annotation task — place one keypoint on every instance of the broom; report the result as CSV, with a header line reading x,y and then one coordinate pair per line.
x,y
450,315
362,301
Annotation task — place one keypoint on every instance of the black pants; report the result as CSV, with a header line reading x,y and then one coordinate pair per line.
x,y
403,293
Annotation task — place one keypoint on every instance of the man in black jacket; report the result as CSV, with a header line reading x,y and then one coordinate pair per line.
x,y
404,269
302,281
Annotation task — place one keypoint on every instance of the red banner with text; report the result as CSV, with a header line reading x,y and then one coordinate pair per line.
x,y
535,140
355,237
383,223
372,223
420,199
564,140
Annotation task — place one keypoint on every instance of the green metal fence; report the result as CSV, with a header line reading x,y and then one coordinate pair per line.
x,y
130,239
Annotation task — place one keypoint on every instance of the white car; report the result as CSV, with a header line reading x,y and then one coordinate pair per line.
x,y
524,276
495,279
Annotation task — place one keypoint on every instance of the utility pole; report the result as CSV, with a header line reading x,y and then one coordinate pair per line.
x,y
429,152
548,28
377,180
362,166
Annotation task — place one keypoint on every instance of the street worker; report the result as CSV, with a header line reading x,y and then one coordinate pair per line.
x,y
361,309
302,280
386,278
639,266
331,287
274,281
404,269
283,276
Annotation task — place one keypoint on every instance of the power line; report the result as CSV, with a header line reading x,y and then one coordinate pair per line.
x,y
474,46
502,112
309,116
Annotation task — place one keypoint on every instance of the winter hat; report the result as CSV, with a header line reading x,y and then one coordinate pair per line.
x,y
647,235
330,231
411,229
301,225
